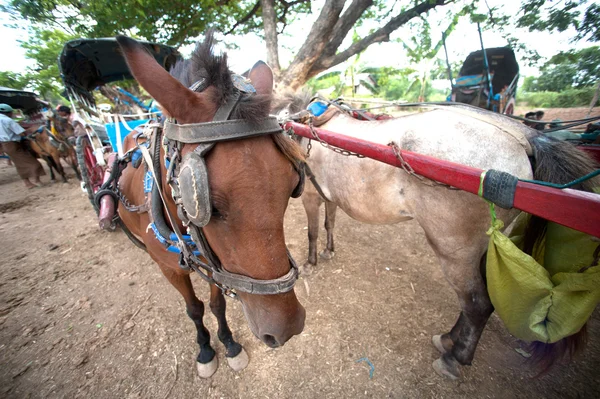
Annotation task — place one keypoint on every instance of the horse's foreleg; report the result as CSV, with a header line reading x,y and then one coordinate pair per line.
x,y
330,209
50,162
311,201
237,358
59,167
207,362
72,161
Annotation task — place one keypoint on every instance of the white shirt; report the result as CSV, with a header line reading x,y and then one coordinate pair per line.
x,y
74,118
9,129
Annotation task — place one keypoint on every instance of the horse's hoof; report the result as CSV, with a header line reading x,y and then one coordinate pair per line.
x,y
306,269
436,340
446,370
206,370
327,254
239,362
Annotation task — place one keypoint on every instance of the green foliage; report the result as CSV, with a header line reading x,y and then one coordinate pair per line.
x,y
13,80
171,22
44,47
567,69
565,99
326,81
559,15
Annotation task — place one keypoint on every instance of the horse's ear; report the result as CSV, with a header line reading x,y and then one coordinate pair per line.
x,y
261,77
174,97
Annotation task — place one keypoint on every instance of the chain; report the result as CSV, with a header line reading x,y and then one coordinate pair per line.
x,y
337,150
126,203
409,169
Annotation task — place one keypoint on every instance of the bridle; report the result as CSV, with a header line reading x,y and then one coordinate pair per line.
x,y
188,178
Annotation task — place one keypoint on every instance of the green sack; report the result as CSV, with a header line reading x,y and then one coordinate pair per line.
x,y
543,303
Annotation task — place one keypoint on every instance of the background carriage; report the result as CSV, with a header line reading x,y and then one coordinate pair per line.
x,y
90,64
488,79
26,101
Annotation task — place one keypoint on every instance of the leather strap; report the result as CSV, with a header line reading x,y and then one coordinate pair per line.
x,y
250,285
213,132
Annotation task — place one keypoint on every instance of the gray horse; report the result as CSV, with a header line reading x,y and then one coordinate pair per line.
x,y
455,222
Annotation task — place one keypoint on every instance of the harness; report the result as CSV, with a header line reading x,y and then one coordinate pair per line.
x,y
187,177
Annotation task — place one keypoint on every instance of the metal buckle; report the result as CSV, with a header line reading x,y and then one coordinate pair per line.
x,y
227,291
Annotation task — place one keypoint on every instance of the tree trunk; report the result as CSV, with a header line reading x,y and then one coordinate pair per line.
x,y
270,26
321,50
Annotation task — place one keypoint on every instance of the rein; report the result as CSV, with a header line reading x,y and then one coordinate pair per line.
x,y
188,178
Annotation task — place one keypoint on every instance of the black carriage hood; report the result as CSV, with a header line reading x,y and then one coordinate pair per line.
x,y
21,99
502,63
89,63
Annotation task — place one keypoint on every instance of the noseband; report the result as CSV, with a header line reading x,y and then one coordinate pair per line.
x,y
188,178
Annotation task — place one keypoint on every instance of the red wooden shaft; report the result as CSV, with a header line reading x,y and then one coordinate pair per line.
x,y
107,202
574,209
106,212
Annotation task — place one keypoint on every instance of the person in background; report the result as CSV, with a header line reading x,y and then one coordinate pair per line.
x,y
530,116
10,138
75,121
539,115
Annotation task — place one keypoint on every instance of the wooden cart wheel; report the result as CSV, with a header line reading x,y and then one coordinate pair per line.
x,y
510,107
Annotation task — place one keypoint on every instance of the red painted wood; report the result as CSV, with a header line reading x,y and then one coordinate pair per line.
x,y
575,209
107,202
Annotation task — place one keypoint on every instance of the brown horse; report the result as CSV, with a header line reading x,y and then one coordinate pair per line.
x,y
250,181
52,146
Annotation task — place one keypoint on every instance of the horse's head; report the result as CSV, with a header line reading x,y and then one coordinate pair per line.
x,y
250,179
61,124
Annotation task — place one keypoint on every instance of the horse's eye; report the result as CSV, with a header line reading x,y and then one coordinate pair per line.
x,y
216,213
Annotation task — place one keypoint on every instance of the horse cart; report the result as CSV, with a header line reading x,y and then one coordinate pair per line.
x,y
45,138
88,67
444,155
487,79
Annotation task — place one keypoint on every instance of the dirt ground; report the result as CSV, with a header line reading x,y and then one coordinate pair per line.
x,y
84,313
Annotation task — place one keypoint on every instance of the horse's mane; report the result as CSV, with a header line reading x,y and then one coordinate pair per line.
x,y
292,101
205,64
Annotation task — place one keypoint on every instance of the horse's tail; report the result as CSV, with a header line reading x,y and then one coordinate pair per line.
x,y
556,162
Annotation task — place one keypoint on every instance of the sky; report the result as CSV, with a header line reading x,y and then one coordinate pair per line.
x,y
460,43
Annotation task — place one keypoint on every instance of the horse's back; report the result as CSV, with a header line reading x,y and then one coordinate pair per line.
x,y
449,135
371,191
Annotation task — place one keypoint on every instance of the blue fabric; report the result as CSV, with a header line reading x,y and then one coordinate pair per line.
x,y
471,80
111,130
317,108
148,182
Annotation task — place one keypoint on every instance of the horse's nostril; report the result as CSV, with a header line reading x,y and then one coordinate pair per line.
x,y
270,341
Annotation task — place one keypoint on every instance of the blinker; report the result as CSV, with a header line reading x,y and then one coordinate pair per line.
x,y
193,186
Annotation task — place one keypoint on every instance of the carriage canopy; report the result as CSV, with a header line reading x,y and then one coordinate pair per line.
x,y
21,99
502,64
89,63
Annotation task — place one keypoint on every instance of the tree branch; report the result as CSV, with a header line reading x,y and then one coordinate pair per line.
x,y
247,18
380,35
316,41
345,23
270,26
